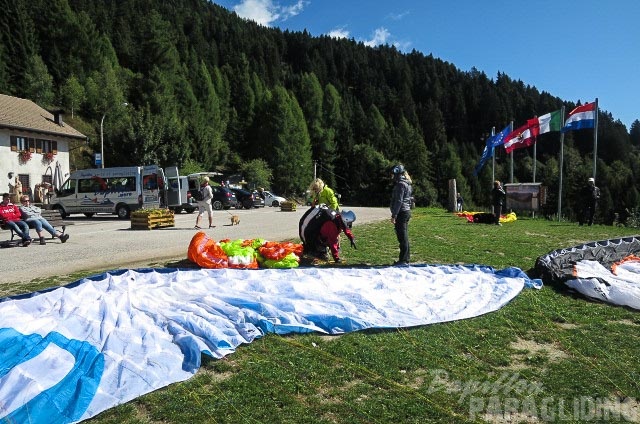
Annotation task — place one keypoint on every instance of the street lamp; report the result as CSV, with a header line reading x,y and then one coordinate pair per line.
x,y
102,134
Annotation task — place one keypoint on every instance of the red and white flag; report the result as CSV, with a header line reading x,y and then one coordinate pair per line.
x,y
519,138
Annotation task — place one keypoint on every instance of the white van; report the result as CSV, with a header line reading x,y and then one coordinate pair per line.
x,y
178,195
111,190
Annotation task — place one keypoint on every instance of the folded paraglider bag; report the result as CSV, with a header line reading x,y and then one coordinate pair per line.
x,y
484,218
205,252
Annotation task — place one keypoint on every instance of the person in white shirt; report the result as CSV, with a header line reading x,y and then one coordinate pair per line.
x,y
204,205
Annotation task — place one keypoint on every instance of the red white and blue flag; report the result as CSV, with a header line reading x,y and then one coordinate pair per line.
x,y
581,117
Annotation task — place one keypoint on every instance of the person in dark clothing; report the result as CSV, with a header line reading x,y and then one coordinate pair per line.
x,y
459,202
590,195
498,197
320,228
401,201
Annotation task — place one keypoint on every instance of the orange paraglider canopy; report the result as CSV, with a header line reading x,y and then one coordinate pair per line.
x,y
205,252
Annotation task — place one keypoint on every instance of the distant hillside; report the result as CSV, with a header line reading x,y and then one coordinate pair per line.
x,y
209,90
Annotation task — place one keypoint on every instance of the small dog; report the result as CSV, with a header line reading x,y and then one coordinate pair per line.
x,y
235,220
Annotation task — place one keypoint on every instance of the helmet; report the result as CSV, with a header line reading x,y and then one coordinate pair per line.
x,y
398,169
348,217
591,180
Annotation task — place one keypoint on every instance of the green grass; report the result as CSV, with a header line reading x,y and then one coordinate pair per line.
x,y
547,352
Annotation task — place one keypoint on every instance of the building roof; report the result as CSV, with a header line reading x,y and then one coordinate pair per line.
x,y
23,114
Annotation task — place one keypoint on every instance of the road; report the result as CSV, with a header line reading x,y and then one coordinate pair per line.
x,y
105,242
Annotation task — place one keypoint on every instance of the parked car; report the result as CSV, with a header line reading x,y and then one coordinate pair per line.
x,y
247,199
258,200
271,199
223,198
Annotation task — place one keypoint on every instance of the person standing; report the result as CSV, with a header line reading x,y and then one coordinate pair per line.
x,y
204,205
590,196
11,183
322,194
33,214
10,217
459,202
401,200
498,197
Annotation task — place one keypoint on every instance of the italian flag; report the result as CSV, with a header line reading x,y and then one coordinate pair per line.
x,y
545,123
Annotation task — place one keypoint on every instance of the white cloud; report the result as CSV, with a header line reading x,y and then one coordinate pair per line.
x,y
266,12
398,16
294,9
380,36
403,46
340,32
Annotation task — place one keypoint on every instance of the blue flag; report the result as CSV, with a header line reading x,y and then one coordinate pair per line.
x,y
492,142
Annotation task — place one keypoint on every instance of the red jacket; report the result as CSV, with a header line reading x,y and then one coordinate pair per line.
x,y
329,235
10,212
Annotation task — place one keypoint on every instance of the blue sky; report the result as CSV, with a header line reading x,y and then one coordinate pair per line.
x,y
575,50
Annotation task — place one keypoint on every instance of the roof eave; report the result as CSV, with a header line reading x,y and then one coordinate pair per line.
x,y
57,134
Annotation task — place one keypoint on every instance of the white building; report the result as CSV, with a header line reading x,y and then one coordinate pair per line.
x,y
33,142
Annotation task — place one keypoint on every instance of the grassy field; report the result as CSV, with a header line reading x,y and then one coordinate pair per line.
x,y
547,356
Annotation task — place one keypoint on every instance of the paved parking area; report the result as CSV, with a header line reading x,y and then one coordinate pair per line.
x,y
106,242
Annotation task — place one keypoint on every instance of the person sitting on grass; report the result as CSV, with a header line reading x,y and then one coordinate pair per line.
x,y
10,217
33,215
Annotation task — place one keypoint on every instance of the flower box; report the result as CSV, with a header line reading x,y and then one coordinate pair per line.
x,y
24,156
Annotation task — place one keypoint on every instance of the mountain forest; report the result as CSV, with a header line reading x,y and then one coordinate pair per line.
x,y
189,83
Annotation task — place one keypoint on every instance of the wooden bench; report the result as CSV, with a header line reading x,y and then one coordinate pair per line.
x,y
54,218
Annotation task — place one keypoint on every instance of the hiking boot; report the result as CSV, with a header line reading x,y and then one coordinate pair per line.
x,y
42,241
26,243
64,238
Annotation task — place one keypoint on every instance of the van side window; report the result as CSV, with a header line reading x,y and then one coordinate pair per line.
x,y
88,185
68,189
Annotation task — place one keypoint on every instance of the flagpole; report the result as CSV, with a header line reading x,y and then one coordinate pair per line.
x,y
493,156
561,161
511,172
535,148
595,140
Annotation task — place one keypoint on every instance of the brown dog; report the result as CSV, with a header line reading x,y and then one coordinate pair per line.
x,y
235,220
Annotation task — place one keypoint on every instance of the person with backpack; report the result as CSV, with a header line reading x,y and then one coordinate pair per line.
x,y
401,204
590,195
320,228
203,196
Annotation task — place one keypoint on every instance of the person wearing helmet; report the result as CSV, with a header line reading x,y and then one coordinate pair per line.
x,y
401,200
590,195
320,228
322,194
